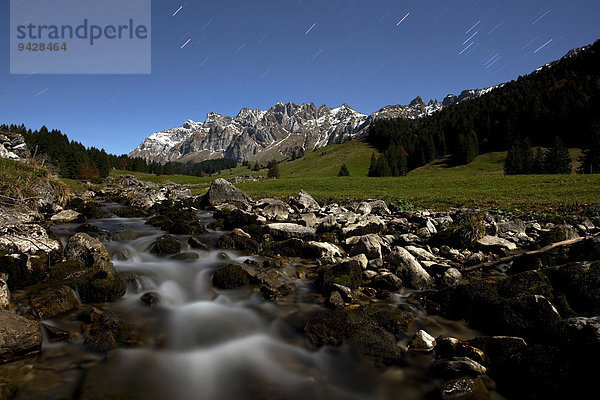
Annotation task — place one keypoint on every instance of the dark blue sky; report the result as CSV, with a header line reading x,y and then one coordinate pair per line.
x,y
253,53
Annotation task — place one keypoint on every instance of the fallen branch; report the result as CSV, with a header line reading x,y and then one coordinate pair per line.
x,y
513,257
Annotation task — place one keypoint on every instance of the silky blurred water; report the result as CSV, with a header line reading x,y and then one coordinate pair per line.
x,y
227,344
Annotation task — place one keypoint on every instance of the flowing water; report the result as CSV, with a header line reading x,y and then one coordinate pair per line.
x,y
203,343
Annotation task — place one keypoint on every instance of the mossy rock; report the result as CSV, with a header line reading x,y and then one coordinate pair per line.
x,y
97,286
526,283
165,246
237,242
184,223
89,208
130,212
235,218
66,270
392,320
286,248
232,276
347,273
368,342
521,304
53,301
577,285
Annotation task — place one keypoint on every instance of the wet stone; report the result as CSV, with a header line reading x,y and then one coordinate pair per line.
x,y
150,298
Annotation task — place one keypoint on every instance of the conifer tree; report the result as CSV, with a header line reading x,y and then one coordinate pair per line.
x,y
538,161
373,165
273,169
557,159
590,159
344,171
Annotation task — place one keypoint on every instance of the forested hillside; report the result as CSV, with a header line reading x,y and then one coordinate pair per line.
x,y
75,161
557,101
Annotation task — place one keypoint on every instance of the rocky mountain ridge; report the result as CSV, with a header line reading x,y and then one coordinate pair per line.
x,y
282,129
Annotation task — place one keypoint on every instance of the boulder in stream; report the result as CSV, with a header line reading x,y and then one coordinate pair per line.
x,y
100,282
19,337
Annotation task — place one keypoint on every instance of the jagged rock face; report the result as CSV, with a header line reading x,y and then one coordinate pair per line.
x,y
264,135
161,142
12,146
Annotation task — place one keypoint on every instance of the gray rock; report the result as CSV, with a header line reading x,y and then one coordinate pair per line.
x,y
66,216
223,192
451,277
589,225
88,250
283,231
430,225
560,233
588,327
379,207
19,337
409,269
464,389
4,295
304,203
308,220
150,299
369,274
324,250
424,233
387,281
372,246
375,264
457,367
276,212
327,224
420,254
409,238
422,341
362,260
514,227
363,208
495,243
26,239
344,291
364,226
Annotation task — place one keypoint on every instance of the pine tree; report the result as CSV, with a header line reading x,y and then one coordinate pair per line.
x,y
402,163
538,161
513,164
590,159
167,169
373,165
344,171
526,156
273,170
557,160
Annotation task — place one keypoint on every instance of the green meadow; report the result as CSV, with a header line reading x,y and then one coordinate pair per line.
x,y
437,185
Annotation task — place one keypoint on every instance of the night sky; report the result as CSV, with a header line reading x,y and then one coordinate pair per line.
x,y
224,55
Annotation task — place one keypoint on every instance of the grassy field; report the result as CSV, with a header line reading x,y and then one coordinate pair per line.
x,y
480,183
547,193
327,161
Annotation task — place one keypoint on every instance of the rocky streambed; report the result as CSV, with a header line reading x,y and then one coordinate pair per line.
x,y
143,291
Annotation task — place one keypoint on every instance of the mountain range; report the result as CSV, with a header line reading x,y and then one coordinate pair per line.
x,y
257,135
